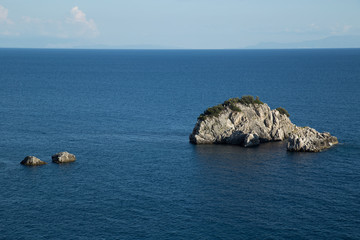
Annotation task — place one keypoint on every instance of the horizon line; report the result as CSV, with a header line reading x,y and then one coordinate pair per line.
x,y
179,49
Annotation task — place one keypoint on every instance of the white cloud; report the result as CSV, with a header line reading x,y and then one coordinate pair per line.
x,y
87,26
75,25
43,27
6,24
314,26
324,31
27,19
4,15
346,28
339,29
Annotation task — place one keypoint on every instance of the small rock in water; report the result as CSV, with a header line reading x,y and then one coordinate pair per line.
x,y
32,161
307,139
63,157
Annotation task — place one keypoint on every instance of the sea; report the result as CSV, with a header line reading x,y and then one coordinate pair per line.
x,y
127,116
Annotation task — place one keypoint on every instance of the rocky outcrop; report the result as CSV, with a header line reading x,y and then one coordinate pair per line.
x,y
306,139
249,122
32,161
251,140
242,123
63,157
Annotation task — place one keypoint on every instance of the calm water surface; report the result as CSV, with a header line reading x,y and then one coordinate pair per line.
x,y
127,116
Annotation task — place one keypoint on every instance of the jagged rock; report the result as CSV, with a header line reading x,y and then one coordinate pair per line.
x,y
241,124
306,139
32,161
251,140
63,157
249,122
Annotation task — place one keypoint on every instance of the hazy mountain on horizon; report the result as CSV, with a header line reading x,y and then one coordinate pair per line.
x,y
328,42
350,41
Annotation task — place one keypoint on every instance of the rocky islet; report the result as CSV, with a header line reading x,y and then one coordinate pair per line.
x,y
32,161
239,121
306,139
249,122
61,157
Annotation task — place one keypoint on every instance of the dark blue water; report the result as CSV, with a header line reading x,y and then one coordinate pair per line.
x,y
127,116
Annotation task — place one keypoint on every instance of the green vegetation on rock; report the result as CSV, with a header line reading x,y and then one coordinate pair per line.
x,y
230,103
245,100
283,111
248,99
257,100
234,108
215,111
212,112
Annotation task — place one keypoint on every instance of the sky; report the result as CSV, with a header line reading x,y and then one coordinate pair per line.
x,y
177,24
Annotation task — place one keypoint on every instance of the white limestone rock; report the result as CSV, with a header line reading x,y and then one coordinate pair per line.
x,y
251,140
32,161
242,124
306,139
250,122
63,157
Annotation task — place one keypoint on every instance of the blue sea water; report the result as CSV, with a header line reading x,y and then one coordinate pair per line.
x,y
127,116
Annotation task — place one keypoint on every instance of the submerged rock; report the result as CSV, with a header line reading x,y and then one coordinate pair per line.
x,y
237,121
63,157
249,122
32,161
306,139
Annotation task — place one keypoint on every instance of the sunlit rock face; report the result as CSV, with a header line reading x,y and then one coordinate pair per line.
x,y
32,161
63,157
306,139
248,122
248,125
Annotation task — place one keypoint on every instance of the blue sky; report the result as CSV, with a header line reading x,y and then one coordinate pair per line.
x,y
192,24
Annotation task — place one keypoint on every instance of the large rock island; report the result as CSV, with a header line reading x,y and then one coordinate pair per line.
x,y
248,122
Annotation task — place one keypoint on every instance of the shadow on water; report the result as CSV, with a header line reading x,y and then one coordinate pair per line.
x,y
266,160
223,161
262,153
240,153
238,156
